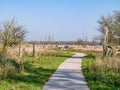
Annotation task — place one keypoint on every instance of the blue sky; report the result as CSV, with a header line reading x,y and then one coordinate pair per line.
x,y
61,19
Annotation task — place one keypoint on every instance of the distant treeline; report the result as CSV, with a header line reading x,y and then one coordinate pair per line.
x,y
65,42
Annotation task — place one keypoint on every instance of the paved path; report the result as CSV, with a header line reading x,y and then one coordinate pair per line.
x,y
68,76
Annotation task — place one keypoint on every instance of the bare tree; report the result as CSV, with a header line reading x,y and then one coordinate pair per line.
x,y
112,23
11,34
110,29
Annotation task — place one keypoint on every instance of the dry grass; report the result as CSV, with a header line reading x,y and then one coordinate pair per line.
x,y
110,63
87,48
27,49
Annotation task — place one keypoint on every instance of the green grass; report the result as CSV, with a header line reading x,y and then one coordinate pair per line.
x,y
99,77
36,72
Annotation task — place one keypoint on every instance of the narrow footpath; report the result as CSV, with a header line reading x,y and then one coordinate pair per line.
x,y
68,76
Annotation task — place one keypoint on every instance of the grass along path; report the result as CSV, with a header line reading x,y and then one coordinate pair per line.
x,y
36,72
100,77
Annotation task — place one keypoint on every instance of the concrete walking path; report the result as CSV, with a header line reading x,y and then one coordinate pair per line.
x,y
68,76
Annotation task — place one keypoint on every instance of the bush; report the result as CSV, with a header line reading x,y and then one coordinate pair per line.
x,y
10,68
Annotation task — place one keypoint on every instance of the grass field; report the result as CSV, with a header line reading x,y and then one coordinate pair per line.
x,y
99,76
35,72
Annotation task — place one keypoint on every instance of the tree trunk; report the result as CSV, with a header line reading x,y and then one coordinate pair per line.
x,y
104,50
105,42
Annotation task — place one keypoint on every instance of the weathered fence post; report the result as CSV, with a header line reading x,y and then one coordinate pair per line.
x,y
20,50
33,54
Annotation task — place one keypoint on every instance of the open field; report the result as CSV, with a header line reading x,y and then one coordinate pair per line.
x,y
27,48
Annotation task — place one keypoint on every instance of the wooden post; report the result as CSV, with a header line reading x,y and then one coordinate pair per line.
x,y
33,54
20,50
